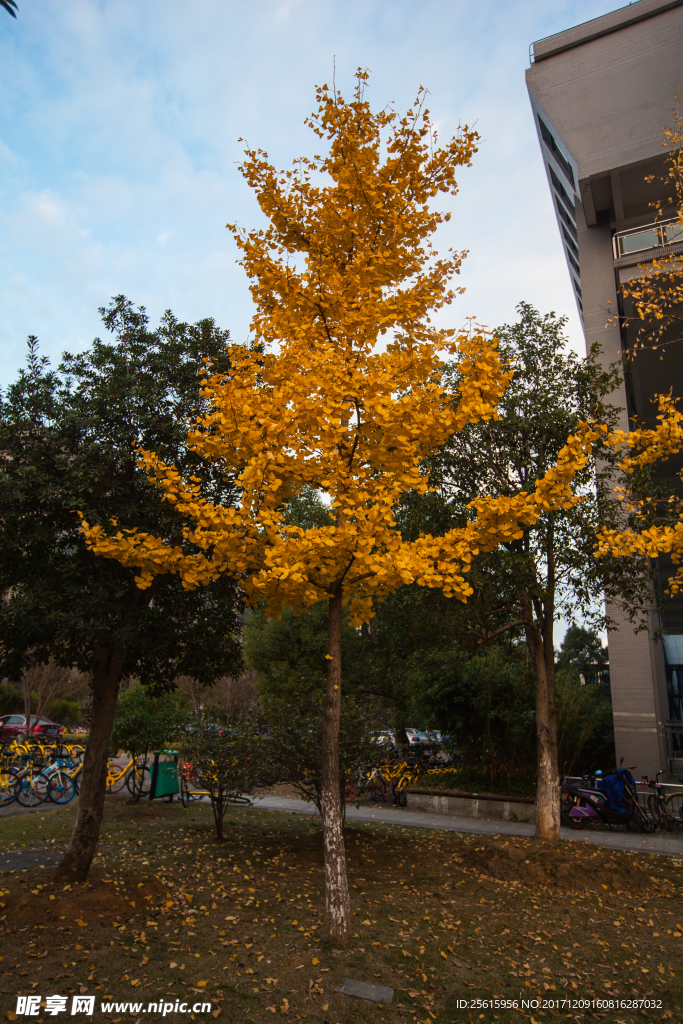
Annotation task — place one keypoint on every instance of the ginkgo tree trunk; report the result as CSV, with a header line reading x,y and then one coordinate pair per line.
x,y
341,392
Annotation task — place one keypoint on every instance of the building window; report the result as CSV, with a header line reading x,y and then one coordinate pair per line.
x,y
677,741
569,240
575,265
549,140
648,237
561,190
565,216
674,685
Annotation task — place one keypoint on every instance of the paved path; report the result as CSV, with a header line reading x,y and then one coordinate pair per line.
x,y
661,843
667,845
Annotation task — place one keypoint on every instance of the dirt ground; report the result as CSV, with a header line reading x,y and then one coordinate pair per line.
x,y
462,927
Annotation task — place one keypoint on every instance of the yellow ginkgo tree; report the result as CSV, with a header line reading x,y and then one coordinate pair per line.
x,y
656,523
341,391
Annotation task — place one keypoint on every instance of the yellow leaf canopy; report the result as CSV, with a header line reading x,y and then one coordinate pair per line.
x,y
341,389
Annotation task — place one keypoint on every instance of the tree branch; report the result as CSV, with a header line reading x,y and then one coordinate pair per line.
x,y
502,629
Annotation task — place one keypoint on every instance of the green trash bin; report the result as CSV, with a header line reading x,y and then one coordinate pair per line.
x,y
164,778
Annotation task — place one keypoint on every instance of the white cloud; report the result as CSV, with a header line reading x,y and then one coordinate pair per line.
x,y
118,147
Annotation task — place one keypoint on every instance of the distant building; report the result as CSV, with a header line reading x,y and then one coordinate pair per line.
x,y
601,93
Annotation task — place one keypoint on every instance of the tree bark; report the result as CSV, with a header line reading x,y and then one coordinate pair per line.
x,y
538,615
75,865
401,738
337,904
548,778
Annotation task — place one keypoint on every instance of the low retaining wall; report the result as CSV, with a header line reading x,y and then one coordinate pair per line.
x,y
472,805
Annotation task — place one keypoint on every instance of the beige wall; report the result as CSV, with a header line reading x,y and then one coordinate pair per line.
x,y
607,99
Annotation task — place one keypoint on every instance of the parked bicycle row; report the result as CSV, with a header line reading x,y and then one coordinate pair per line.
x,y
614,799
33,774
391,779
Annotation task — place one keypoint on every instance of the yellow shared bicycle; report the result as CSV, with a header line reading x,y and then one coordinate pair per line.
x,y
135,775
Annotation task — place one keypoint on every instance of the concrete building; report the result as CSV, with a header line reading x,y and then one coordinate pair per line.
x,y
601,93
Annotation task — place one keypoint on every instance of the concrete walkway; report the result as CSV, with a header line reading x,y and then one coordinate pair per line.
x,y
665,844
661,843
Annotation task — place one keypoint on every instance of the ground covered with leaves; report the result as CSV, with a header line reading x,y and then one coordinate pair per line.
x,y
442,918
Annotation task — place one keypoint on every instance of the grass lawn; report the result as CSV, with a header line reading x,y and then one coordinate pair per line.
x,y
170,914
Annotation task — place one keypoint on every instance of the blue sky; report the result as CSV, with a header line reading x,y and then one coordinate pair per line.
x,y
119,128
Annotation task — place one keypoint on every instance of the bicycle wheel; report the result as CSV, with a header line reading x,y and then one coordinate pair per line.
x,y
139,781
62,788
33,790
115,783
656,808
184,794
9,787
351,791
374,787
379,787
674,806
642,821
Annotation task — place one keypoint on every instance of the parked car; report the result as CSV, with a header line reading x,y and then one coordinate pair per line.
x,y
14,726
417,738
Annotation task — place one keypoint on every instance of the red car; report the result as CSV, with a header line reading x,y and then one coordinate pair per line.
x,y
14,726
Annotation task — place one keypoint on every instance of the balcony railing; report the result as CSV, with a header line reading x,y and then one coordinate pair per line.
x,y
650,236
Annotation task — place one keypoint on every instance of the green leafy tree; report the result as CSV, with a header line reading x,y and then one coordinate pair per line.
x,y
11,698
549,570
306,509
10,6
67,711
225,758
294,728
582,651
415,628
68,440
146,722
289,653
585,727
485,704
